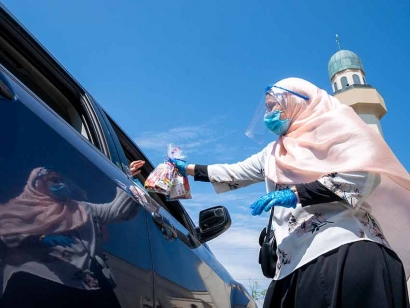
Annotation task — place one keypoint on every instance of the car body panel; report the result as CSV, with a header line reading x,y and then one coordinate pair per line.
x,y
155,256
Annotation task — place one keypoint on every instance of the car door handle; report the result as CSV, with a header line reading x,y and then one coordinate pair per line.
x,y
167,229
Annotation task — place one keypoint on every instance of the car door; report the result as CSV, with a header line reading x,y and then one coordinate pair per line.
x,y
47,120
182,275
34,136
186,273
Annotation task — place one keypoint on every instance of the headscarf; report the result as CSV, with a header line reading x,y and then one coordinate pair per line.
x,y
35,212
326,136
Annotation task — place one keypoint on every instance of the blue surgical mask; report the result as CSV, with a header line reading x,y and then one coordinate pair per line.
x,y
275,124
59,191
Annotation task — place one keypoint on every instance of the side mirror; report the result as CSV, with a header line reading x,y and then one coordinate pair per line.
x,y
212,223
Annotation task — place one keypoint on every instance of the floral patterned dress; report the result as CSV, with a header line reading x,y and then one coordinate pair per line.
x,y
306,232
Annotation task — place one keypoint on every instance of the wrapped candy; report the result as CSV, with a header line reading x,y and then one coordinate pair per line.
x,y
180,188
160,180
166,180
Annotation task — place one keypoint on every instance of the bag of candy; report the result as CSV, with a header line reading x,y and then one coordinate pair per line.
x,y
180,186
160,180
166,180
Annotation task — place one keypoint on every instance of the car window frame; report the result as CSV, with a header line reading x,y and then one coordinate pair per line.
x,y
96,119
175,208
26,47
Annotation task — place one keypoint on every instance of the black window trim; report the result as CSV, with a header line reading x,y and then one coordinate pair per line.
x,y
37,55
131,151
25,44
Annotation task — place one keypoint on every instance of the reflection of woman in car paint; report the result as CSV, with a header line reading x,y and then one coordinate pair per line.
x,y
50,245
43,208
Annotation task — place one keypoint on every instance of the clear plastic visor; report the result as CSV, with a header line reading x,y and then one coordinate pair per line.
x,y
271,101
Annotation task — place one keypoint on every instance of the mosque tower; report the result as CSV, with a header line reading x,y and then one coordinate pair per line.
x,y
349,85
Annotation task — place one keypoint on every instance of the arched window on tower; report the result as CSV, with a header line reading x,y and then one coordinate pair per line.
x,y
344,82
356,79
335,89
364,80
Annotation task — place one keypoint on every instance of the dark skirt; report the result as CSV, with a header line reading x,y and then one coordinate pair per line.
x,y
360,274
25,290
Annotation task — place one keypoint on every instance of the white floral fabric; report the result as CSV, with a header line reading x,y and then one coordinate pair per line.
x,y
305,233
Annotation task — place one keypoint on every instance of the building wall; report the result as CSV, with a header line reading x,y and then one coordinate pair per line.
x,y
337,78
372,121
364,101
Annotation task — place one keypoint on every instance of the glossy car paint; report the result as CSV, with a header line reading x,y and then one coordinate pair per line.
x,y
156,259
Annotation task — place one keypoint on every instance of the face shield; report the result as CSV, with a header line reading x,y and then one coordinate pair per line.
x,y
271,112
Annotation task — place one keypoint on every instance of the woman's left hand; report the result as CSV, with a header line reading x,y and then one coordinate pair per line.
x,y
285,198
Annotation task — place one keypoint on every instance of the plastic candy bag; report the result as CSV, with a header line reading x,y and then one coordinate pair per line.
x,y
166,180
180,188
160,180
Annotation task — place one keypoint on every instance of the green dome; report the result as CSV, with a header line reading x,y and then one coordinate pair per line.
x,y
341,60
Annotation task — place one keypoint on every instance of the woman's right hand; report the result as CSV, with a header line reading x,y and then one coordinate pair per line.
x,y
180,164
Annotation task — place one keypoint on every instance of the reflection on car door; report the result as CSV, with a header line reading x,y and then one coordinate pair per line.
x,y
185,274
129,258
37,137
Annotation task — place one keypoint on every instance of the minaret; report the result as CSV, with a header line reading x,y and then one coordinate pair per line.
x,y
349,85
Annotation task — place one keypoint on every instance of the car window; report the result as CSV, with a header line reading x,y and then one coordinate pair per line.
x,y
44,78
130,153
61,98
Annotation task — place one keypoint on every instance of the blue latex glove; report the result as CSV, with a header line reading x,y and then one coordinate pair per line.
x,y
180,164
57,240
285,198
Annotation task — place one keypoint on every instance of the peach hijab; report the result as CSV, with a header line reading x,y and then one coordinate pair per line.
x,y
326,136
35,212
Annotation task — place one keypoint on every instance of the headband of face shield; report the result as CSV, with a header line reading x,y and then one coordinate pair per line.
x,y
270,119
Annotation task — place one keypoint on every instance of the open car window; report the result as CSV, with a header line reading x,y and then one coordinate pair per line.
x,y
132,153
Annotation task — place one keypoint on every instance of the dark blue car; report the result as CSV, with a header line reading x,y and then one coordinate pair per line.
x,y
72,215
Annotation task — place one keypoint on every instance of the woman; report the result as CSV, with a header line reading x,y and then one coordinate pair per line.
x,y
51,245
340,200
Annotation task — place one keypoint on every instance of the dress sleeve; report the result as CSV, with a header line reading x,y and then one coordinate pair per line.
x,y
122,208
315,193
201,173
226,177
352,188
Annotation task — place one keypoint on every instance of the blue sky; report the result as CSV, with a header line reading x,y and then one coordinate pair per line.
x,y
192,72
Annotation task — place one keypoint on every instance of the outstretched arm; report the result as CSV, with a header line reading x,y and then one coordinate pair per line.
x,y
136,166
226,177
122,208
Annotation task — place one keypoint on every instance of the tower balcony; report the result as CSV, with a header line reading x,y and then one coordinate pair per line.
x,y
363,99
